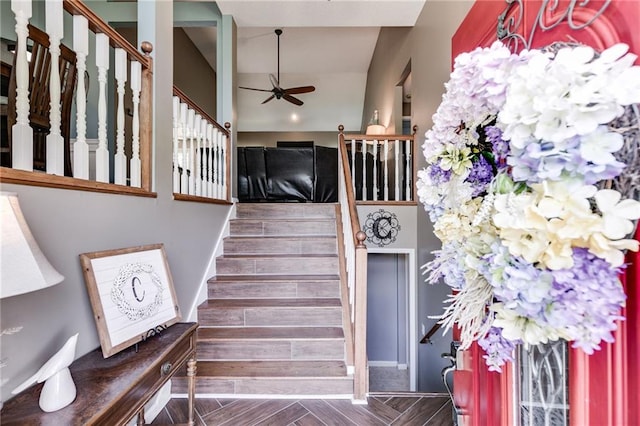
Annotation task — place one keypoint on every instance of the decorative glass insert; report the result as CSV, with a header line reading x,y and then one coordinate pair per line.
x,y
543,384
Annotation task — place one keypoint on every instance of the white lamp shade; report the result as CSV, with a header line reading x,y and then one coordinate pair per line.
x,y
376,129
23,266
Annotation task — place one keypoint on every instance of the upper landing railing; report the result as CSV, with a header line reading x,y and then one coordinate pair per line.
x,y
38,147
385,170
201,150
39,136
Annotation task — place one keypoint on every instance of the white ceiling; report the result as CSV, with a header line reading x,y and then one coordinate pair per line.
x,y
325,43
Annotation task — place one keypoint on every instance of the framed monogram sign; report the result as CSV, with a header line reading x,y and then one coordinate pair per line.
x,y
131,293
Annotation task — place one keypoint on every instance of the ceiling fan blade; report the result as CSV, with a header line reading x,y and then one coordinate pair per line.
x,y
268,99
291,99
251,88
299,90
274,81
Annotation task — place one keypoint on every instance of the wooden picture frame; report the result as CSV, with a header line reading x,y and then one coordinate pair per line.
x,y
131,293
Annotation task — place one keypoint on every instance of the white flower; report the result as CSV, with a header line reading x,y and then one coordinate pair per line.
x,y
617,215
599,145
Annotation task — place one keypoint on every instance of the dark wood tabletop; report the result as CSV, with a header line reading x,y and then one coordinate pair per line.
x,y
112,390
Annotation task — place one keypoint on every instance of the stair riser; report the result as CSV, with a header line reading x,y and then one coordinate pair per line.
x,y
269,290
277,266
267,317
260,386
283,227
309,245
287,210
296,350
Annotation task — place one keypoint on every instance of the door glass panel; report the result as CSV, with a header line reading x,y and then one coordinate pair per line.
x,y
543,385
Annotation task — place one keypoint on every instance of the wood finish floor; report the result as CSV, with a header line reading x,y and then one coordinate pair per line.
x,y
382,409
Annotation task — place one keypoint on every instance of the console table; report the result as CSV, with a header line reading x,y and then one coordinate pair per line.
x,y
115,390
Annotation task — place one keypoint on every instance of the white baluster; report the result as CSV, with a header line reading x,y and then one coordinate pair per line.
x,y
396,152
190,124
210,160
184,117
220,154
375,170
102,152
222,165
217,187
80,147
407,173
21,132
176,121
120,160
196,155
364,169
353,166
135,171
203,159
386,170
55,142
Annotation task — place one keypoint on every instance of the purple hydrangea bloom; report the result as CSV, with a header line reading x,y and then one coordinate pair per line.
x,y
480,175
588,299
519,285
541,160
438,175
498,350
500,147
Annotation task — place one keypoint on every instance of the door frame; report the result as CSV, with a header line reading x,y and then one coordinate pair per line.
x,y
412,309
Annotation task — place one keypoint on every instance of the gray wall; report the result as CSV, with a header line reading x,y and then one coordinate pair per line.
x,y
192,73
427,47
66,223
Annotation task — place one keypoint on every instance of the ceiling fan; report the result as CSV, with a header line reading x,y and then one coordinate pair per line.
x,y
277,91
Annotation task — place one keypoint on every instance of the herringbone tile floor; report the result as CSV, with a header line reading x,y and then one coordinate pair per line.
x,y
389,409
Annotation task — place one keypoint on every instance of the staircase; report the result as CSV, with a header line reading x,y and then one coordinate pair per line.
x,y
273,321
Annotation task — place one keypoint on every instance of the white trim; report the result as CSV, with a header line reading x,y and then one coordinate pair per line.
x,y
402,366
412,301
383,364
211,269
261,396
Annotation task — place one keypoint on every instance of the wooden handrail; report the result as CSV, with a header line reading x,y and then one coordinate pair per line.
x,y
427,337
179,93
353,212
97,25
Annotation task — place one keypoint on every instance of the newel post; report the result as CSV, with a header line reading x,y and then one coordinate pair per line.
x,y
146,117
361,379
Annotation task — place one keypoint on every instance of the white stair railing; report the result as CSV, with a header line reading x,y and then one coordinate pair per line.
x,y
200,152
131,66
382,167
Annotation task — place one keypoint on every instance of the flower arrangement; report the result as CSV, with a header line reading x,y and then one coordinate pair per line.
x,y
518,161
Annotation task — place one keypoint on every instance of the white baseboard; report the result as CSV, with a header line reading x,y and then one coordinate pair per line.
x,y
383,364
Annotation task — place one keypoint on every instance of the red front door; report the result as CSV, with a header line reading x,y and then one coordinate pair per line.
x,y
604,388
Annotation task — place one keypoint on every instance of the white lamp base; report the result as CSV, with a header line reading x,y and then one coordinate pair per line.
x,y
58,391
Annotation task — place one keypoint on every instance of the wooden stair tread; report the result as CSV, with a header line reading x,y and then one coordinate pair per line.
x,y
308,211
272,278
272,303
272,369
282,237
276,256
268,333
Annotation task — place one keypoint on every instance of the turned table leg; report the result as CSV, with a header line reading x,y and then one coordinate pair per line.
x,y
191,377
